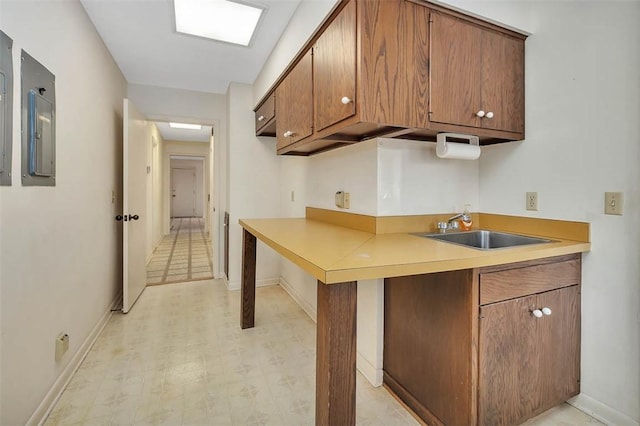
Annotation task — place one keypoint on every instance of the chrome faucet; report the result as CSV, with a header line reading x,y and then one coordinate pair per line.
x,y
452,223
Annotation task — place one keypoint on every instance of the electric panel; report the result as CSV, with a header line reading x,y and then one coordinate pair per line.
x,y
6,108
38,124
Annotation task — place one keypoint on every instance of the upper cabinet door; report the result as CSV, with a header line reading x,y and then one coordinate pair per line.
x,y
477,76
503,82
294,107
334,70
455,67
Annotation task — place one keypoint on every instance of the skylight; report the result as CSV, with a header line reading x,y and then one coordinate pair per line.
x,y
185,126
222,20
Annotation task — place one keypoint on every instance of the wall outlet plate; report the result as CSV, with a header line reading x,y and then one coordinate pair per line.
x,y
532,201
62,345
613,203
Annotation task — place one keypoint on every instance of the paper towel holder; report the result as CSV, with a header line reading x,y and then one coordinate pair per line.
x,y
443,138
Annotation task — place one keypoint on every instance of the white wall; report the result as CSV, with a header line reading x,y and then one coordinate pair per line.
x,y
413,180
60,252
166,104
254,186
199,183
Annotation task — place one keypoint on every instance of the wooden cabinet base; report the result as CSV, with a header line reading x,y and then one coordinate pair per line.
x,y
454,361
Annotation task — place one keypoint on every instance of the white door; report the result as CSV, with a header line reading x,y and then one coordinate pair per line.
x,y
134,205
183,192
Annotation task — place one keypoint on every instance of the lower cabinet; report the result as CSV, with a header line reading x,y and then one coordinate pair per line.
x,y
455,359
528,364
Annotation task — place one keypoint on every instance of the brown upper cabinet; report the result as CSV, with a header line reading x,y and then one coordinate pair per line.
x,y
477,76
295,104
400,69
266,117
334,70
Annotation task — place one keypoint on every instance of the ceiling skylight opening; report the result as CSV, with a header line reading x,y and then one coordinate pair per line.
x,y
185,126
222,20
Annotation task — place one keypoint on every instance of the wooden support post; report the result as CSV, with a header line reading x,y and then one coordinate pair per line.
x,y
248,284
336,354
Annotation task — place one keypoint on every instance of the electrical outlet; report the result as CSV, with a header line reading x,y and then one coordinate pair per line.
x,y
532,201
62,345
613,203
343,200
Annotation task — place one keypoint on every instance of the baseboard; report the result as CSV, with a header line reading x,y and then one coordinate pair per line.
x,y
235,285
600,411
369,371
44,409
306,306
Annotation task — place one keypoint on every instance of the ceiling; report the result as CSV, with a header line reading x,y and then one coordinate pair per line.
x,y
141,36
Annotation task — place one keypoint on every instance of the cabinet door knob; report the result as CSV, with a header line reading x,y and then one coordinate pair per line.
x,y
489,114
537,313
288,134
480,113
261,118
346,100
546,311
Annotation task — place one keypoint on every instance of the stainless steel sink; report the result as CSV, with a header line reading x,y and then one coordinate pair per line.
x,y
486,240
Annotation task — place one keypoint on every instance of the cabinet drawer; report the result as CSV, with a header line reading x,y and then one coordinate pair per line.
x,y
512,283
265,115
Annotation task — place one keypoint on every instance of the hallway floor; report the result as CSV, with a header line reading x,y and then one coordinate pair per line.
x,y
179,357
184,255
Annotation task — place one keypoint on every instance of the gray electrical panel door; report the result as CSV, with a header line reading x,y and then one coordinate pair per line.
x,y
6,108
41,137
38,124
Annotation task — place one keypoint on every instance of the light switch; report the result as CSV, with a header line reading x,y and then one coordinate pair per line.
x,y
613,203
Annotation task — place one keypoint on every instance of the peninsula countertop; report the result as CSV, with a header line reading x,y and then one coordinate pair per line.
x,y
326,245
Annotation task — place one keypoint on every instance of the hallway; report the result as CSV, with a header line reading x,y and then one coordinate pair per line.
x,y
184,255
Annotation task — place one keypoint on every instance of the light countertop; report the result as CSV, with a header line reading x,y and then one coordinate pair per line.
x,y
334,253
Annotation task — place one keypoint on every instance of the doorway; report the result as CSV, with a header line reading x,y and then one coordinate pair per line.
x,y
187,186
183,192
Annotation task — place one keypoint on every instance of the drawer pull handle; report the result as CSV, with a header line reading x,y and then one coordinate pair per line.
x,y
546,311
345,100
261,118
489,115
480,113
288,134
537,313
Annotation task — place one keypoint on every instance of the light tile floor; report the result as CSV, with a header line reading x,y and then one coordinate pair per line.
x,y
184,255
179,357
